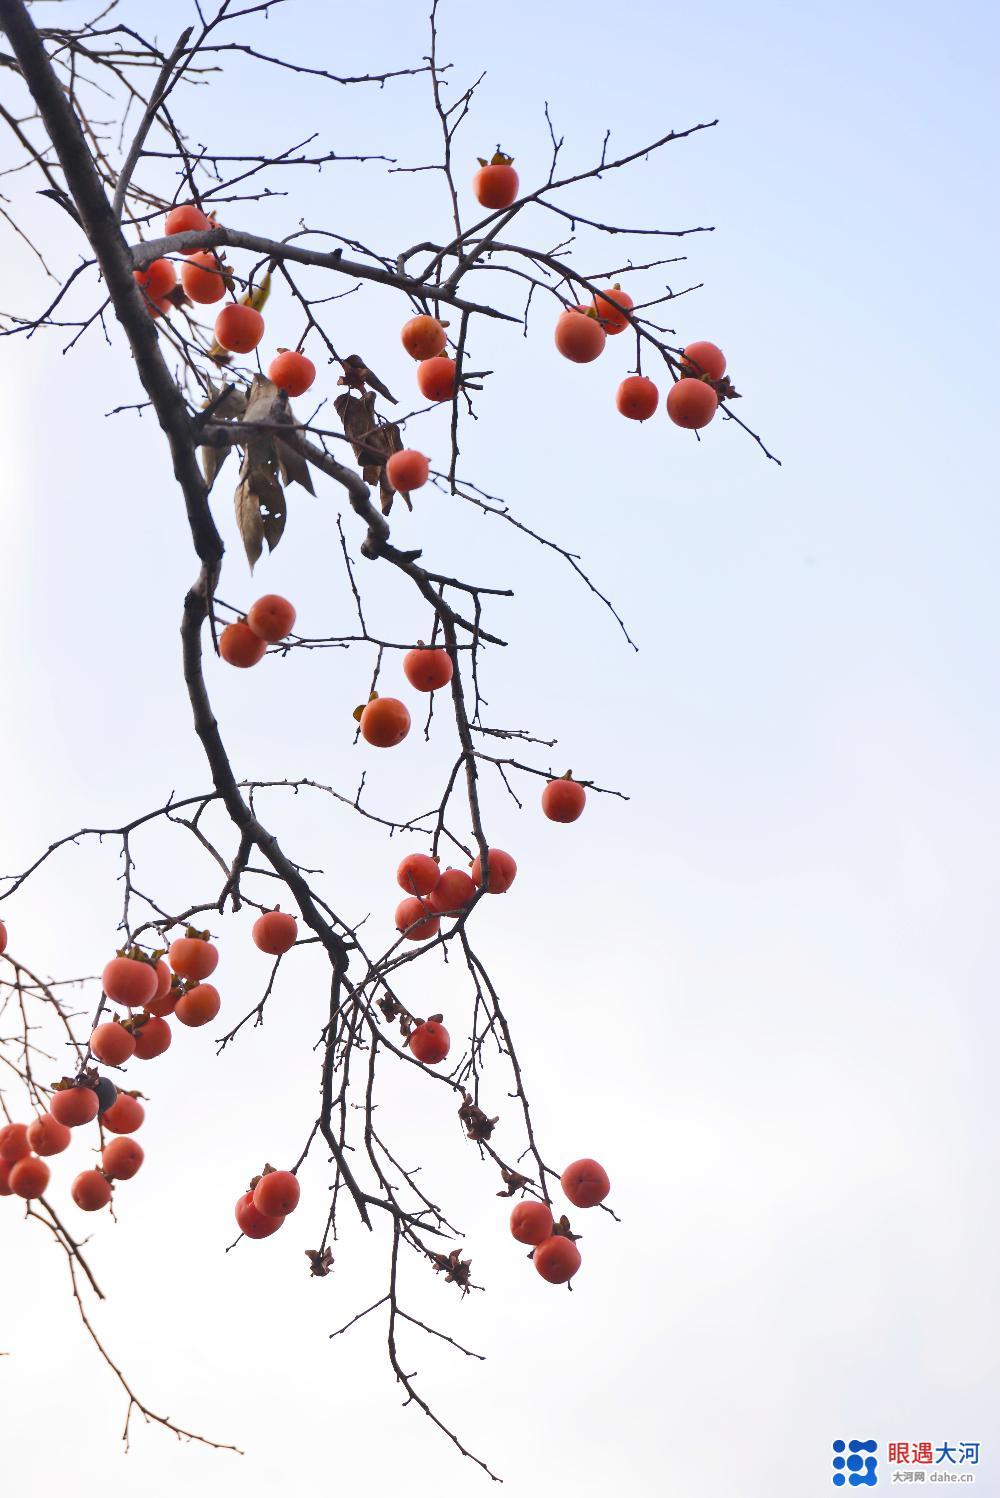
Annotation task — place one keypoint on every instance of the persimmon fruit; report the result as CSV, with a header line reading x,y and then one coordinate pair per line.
x,y
121,1158
291,371
407,470
5,1186
239,328
414,921
130,981
637,398
496,184
152,1038
424,337
276,1193
427,668
29,1177
531,1222
185,217
251,1223
47,1136
557,1259
385,722
563,800
271,618
239,646
436,378
705,359
91,1191
157,279
418,873
691,404
125,1115
579,336
198,1006
74,1106
585,1183
453,891
430,1042
275,932
3,937
615,320
203,278
112,1044
193,957
502,871
14,1142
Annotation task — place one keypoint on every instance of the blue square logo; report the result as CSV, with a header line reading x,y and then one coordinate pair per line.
x,y
854,1464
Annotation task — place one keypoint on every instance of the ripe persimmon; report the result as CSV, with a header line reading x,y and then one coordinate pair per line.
x,y
291,371
193,956
453,891
198,1006
427,668
5,1186
608,304
3,937
47,1136
637,398
496,183
502,871
585,1183
254,1224
121,1158
407,470
152,1038
112,1043
563,800
203,277
418,873
430,1042
557,1259
130,981
91,1191
705,359
239,646
125,1115
424,337
271,618
579,335
531,1222
275,932
436,378
29,1177
164,978
168,1002
239,328
184,217
385,722
691,404
414,921
276,1193
74,1106
156,279
14,1142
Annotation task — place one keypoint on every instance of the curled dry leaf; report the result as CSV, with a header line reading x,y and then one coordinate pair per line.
x,y
261,510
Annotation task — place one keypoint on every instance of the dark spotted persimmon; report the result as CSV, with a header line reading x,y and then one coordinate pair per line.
x,y
275,932
276,1193
414,921
91,1191
563,800
239,646
47,1136
705,358
531,1222
121,1158
557,1259
125,1115
184,217
637,398
254,1224
427,669
14,1142
418,873
407,470
609,304
29,1177
291,371
152,1038
579,335
691,404
453,891
130,981
436,378
385,722
74,1106
424,337
502,871
430,1042
271,618
585,1183
112,1044
198,1006
193,957
203,278
239,328
156,279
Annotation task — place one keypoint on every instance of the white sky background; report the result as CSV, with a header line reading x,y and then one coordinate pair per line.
x,y
763,990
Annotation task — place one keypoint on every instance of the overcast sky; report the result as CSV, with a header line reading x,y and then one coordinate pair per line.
x,y
763,990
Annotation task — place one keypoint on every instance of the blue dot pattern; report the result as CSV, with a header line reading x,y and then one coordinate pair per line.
x,y
861,1470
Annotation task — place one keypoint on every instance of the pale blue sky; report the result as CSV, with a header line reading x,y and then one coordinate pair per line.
x,y
764,990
